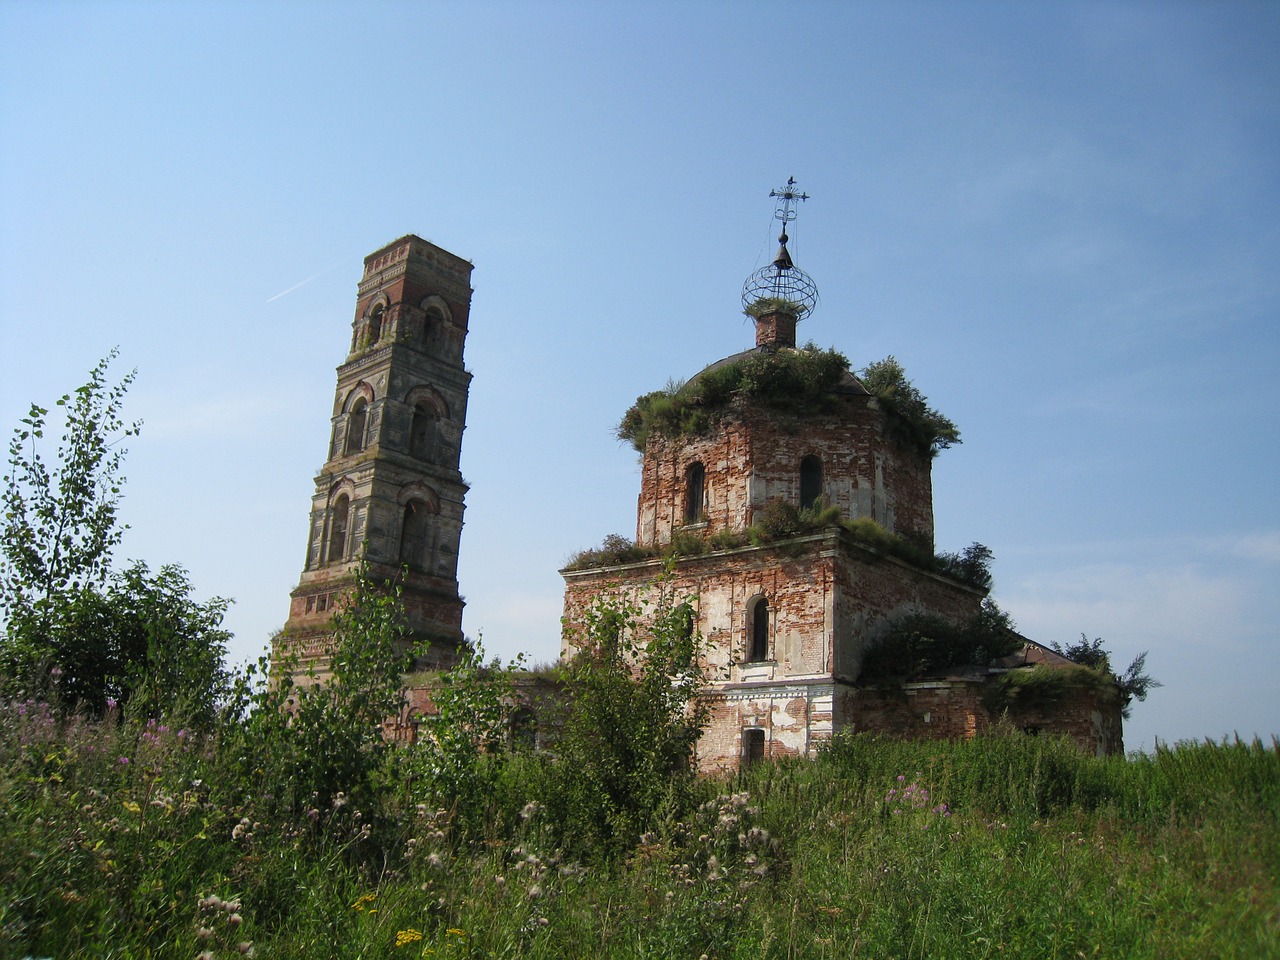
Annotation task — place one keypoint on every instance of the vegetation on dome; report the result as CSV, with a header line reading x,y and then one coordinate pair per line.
x,y
797,382
765,306
789,381
910,421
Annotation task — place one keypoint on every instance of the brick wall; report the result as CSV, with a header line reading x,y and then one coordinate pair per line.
x,y
755,455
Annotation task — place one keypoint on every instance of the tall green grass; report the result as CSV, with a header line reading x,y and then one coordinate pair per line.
x,y
129,840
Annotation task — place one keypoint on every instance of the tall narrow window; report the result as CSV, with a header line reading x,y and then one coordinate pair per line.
x,y
356,421
375,324
339,516
752,745
422,432
695,488
413,534
810,481
432,324
758,641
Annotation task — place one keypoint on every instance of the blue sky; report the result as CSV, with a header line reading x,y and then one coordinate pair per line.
x,y
1063,218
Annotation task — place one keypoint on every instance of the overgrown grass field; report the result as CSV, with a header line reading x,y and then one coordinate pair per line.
x,y
135,839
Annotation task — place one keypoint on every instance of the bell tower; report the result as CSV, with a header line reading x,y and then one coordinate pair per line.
x,y
390,491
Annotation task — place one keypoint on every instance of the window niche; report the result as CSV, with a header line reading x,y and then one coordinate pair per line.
x,y
758,631
810,482
422,431
357,421
374,329
339,520
695,492
415,533
752,745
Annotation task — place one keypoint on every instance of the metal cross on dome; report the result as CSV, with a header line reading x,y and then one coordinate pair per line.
x,y
788,196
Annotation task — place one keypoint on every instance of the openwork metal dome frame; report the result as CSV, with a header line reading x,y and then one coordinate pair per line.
x,y
782,284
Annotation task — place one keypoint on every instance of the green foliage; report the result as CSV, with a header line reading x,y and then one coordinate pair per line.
x,y
140,642
615,550
763,306
630,723
798,382
916,645
60,521
780,521
1042,687
1004,845
971,565
911,421
1134,684
73,629
462,749
306,742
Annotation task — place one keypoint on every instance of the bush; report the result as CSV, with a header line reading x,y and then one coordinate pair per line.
x,y
919,644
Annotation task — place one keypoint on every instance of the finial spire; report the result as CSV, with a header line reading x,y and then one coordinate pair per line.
x,y
781,288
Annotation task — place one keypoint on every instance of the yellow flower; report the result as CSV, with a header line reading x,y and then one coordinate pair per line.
x,y
361,901
456,932
406,937
132,807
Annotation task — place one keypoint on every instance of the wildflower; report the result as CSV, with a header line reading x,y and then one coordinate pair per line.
x,y
454,931
235,920
123,761
204,933
406,937
205,955
245,948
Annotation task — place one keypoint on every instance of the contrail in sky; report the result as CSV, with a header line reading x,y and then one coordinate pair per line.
x,y
303,283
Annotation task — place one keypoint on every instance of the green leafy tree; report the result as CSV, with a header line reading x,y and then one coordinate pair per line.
x,y
912,422
632,718
1134,684
458,760
918,644
143,643
302,741
72,627
60,523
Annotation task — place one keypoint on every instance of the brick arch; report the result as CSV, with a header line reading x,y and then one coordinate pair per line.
x,y
361,389
421,492
437,304
429,395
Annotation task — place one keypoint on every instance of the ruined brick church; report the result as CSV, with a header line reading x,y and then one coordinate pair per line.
x,y
787,623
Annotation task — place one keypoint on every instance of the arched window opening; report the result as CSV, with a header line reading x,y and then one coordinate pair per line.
x,y
414,531
432,324
339,517
758,640
810,482
356,421
695,489
375,324
752,745
422,432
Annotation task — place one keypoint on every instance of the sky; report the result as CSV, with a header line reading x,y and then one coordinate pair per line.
x,y
1062,218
